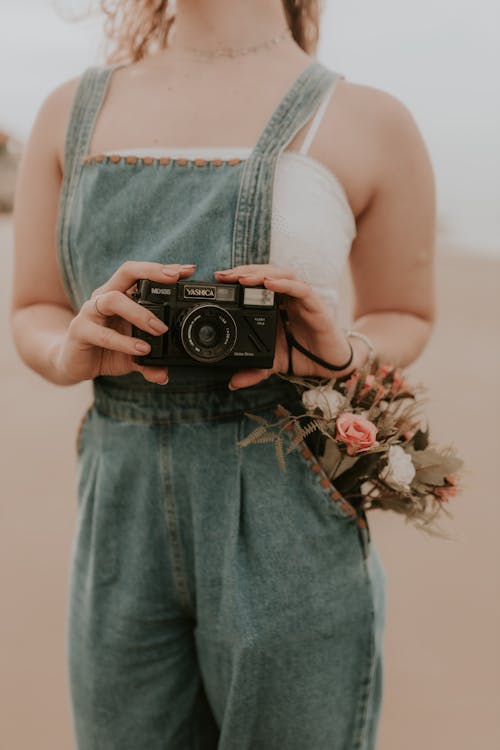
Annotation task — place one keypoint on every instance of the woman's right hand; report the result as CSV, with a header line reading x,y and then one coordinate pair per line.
x,y
100,342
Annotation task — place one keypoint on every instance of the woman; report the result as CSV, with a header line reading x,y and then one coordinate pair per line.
x,y
216,601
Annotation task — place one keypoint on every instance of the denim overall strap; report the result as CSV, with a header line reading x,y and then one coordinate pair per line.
x,y
87,102
252,226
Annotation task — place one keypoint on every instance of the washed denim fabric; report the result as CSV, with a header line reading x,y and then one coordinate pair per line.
x,y
215,601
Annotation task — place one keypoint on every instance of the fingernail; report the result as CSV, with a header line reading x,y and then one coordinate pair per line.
x,y
169,272
164,382
142,347
188,265
232,387
157,325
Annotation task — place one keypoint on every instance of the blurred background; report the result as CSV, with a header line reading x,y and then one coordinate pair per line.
x,y
441,58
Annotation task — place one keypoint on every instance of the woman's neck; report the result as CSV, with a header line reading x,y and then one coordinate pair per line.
x,y
216,24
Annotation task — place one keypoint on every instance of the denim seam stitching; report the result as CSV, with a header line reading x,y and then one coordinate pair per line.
x,y
332,505
89,98
85,102
66,188
251,231
368,683
171,521
298,115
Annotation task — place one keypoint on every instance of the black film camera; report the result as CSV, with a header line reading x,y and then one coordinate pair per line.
x,y
209,324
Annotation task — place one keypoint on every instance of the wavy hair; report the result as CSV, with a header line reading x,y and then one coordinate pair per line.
x,y
137,28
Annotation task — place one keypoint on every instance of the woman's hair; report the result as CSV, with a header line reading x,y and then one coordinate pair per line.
x,y
137,28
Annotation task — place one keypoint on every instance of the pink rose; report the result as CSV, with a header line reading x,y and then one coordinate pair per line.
x,y
356,432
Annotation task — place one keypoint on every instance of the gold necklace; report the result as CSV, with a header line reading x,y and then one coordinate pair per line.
x,y
231,51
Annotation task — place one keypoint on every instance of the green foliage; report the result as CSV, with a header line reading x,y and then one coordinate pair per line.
x,y
301,433
432,465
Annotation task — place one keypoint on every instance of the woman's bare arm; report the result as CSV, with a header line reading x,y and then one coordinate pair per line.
x,y
392,257
40,309
63,345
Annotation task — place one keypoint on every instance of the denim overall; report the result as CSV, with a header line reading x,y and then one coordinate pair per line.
x,y
215,601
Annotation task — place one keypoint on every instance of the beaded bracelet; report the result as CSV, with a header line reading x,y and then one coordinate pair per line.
x,y
363,337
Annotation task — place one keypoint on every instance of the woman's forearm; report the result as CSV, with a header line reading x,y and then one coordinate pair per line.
x,y
37,332
398,338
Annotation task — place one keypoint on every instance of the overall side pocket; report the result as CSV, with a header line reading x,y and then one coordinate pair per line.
x,y
95,544
325,489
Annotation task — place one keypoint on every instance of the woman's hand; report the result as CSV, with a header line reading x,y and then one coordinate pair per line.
x,y
99,342
311,322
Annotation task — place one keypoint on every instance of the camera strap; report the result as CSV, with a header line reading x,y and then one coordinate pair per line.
x,y
292,342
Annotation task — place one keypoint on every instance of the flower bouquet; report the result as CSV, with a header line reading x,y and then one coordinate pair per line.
x,y
373,442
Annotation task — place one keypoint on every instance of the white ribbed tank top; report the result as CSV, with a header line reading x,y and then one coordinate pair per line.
x,y
312,224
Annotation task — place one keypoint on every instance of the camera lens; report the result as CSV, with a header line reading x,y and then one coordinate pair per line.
x,y
208,333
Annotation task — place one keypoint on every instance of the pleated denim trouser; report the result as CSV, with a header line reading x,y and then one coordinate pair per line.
x,y
210,606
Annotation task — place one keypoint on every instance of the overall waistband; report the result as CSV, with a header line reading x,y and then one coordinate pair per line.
x,y
156,404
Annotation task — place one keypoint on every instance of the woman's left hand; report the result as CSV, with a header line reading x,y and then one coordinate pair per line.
x,y
310,319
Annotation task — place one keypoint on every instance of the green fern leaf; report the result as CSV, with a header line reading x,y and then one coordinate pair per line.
x,y
267,438
254,435
279,452
302,433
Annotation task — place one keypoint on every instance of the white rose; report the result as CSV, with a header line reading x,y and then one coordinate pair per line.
x,y
369,488
399,470
330,402
310,398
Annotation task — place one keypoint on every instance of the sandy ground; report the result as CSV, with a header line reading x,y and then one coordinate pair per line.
x,y
441,643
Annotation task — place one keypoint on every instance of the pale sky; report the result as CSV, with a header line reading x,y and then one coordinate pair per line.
x,y
440,57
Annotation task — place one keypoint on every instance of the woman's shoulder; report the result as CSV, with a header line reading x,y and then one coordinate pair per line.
x,y
391,131
384,113
48,129
55,110
53,115
60,98
368,131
